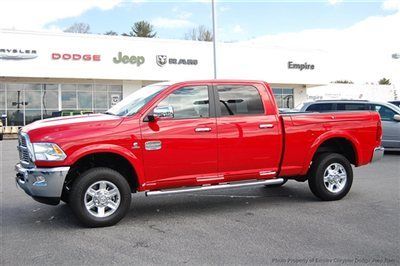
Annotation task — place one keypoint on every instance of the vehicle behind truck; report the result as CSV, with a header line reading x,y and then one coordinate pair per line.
x,y
190,136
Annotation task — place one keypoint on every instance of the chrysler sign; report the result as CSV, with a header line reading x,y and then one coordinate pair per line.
x,y
17,54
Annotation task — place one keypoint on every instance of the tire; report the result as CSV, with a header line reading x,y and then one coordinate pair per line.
x,y
95,192
277,185
1,136
330,176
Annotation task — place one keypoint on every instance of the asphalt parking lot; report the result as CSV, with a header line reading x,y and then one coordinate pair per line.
x,y
238,226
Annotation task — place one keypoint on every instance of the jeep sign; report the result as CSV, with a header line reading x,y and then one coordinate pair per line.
x,y
131,59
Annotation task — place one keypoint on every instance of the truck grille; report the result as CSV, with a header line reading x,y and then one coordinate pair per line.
x,y
23,149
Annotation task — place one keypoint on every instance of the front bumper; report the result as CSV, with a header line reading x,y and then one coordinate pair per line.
x,y
378,154
43,184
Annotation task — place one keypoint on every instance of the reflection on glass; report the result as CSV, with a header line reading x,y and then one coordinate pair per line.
x,y
188,102
68,99
15,117
85,100
32,116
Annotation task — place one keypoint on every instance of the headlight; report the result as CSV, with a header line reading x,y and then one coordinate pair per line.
x,y
48,152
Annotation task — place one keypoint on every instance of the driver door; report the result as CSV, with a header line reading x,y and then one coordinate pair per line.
x,y
181,150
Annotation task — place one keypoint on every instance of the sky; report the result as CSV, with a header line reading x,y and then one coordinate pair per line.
x,y
236,20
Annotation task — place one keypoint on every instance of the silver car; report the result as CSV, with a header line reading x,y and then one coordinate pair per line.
x,y
390,116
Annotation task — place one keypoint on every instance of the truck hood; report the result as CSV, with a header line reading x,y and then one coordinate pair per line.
x,y
52,128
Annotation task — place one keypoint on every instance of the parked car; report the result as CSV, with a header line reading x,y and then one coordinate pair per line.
x,y
1,130
71,113
389,113
187,137
397,103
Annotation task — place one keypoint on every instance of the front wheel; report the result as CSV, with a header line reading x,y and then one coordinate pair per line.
x,y
100,197
330,177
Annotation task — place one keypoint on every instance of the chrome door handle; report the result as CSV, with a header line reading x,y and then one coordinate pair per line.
x,y
202,129
266,126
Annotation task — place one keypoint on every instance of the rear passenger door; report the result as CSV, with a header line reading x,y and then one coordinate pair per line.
x,y
249,139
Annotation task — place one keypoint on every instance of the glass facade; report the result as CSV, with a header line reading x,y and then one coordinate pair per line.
x,y
284,97
24,103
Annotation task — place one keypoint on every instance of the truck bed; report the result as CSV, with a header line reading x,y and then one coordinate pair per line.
x,y
304,132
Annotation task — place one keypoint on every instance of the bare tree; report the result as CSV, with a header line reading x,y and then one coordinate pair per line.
x,y
78,28
110,32
201,33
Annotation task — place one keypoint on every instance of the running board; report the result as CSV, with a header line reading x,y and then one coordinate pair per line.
x,y
212,187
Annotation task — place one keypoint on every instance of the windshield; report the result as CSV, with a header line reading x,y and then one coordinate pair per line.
x,y
134,102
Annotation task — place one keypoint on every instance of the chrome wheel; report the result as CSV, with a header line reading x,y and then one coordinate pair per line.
x,y
102,199
335,177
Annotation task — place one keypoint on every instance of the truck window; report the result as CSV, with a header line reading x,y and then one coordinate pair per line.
x,y
188,102
351,106
385,113
320,107
239,100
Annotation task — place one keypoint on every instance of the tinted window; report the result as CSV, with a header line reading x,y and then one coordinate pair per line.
x,y
385,113
320,107
351,106
188,102
238,100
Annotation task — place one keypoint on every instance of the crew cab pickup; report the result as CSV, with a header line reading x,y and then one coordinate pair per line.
x,y
186,137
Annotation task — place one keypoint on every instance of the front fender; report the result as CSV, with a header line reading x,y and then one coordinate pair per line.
x,y
331,135
108,148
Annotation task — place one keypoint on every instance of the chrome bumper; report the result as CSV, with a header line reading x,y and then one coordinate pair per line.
x,y
43,184
378,154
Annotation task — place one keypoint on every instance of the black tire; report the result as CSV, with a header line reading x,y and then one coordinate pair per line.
x,y
277,185
317,172
89,178
1,136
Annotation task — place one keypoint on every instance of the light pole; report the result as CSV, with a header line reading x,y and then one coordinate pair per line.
x,y
214,38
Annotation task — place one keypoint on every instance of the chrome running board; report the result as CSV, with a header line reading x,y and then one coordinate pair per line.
x,y
219,186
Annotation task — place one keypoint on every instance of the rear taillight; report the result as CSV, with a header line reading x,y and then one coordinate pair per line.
x,y
379,131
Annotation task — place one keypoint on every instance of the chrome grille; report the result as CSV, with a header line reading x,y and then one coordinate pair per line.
x,y
23,149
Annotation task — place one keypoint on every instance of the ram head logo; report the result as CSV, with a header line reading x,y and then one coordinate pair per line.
x,y
161,60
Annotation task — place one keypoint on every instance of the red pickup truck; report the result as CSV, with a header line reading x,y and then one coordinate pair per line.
x,y
186,137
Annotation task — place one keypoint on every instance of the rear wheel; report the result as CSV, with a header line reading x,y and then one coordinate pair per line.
x,y
100,197
331,176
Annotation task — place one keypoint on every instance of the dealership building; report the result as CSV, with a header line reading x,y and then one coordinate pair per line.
x,y
43,73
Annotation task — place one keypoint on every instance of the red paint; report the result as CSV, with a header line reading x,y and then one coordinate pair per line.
x,y
75,57
236,148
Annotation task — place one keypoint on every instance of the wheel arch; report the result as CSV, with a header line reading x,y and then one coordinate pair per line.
x,y
338,142
115,157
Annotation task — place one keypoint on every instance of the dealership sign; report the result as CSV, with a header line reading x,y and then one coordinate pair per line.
x,y
75,57
162,60
17,54
300,67
128,59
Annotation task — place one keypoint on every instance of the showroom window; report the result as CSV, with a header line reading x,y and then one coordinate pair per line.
x,y
25,103
284,97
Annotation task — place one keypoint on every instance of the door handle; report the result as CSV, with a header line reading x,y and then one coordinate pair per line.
x,y
202,129
266,126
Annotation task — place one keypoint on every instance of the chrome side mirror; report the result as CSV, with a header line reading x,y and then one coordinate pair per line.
x,y
396,118
161,112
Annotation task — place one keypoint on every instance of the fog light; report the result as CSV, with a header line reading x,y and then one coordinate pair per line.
x,y
40,181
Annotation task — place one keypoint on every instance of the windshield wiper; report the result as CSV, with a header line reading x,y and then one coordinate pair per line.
x,y
109,113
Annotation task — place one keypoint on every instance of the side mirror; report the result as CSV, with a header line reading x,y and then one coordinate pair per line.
x,y
396,118
161,112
